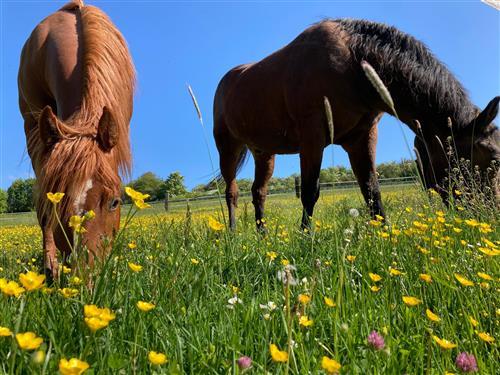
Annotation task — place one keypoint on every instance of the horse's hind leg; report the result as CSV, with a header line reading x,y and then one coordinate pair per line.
x,y
230,151
264,167
361,149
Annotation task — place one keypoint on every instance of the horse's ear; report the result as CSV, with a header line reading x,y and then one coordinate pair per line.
x,y
47,125
107,131
487,116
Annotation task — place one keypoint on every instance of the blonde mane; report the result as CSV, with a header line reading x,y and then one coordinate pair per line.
x,y
108,81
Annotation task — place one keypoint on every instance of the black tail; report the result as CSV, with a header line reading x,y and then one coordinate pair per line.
x,y
242,158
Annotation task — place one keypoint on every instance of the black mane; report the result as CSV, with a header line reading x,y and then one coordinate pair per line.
x,y
402,60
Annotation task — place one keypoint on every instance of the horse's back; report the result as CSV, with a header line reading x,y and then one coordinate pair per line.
x,y
279,94
51,64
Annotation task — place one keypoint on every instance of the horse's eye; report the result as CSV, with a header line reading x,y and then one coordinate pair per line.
x,y
114,203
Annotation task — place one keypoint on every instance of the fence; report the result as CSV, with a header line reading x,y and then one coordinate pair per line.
x,y
169,203
324,186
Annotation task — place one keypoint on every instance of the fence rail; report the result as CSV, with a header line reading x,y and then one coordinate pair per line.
x,y
324,186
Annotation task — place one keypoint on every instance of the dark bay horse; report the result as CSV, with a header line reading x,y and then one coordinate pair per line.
x,y
276,106
76,81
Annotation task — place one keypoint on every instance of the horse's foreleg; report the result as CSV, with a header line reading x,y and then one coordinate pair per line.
x,y
229,152
362,157
264,167
50,263
311,156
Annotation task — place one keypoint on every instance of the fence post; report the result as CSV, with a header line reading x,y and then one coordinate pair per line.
x,y
166,201
297,187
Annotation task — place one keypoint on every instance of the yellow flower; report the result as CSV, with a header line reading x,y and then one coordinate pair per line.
x,y
305,321
75,280
411,301
489,252
350,258
432,316
443,343
484,285
141,204
28,341
66,270
484,276
135,195
485,337
278,355
4,332
134,267
331,366
374,277
137,198
91,311
214,224
11,288
472,223
76,222
157,359
394,272
329,302
374,288
103,314
425,277
145,306
423,250
285,262
132,245
304,299
375,223
32,280
271,255
72,367
55,197
473,321
95,323
89,215
462,280
195,261
68,292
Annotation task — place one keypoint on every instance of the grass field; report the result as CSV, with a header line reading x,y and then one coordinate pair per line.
x,y
426,282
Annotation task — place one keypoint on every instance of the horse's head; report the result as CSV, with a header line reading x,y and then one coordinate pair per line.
x,y
82,165
477,141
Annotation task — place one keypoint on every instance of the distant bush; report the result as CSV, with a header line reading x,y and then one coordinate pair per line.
x,y
20,195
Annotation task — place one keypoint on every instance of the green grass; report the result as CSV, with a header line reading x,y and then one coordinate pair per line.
x,y
194,327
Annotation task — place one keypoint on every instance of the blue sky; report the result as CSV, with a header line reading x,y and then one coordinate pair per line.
x,y
176,43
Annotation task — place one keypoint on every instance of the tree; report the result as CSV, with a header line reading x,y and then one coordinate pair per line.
x,y
174,185
148,183
3,201
20,195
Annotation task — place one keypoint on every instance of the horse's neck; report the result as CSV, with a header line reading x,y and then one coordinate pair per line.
x,y
431,122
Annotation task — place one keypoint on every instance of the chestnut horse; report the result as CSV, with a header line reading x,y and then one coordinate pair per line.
x,y
76,82
276,106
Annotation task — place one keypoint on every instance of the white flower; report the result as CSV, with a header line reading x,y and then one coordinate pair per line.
x,y
233,301
267,316
268,306
354,212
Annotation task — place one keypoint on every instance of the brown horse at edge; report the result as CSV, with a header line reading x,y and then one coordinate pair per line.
x,y
276,106
76,81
